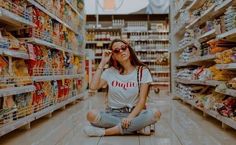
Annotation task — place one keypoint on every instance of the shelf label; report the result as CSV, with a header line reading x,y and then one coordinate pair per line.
x,y
99,44
32,55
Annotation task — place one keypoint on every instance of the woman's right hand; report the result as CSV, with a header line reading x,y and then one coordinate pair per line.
x,y
106,56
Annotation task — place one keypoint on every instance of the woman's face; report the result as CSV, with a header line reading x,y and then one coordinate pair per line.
x,y
120,52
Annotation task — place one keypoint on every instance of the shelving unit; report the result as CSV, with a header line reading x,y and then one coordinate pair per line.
x,y
37,69
147,34
190,58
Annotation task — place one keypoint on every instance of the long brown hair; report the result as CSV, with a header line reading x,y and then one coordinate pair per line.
x,y
133,57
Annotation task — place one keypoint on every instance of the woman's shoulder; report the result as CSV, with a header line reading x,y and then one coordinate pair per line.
x,y
144,68
111,70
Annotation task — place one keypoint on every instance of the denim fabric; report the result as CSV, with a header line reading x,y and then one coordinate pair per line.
x,y
109,118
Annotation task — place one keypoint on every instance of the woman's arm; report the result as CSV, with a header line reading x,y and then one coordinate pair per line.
x,y
96,82
139,107
144,89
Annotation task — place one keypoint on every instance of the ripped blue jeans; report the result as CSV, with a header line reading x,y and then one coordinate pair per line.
x,y
110,118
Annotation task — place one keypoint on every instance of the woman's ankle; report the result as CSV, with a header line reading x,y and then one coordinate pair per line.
x,y
112,131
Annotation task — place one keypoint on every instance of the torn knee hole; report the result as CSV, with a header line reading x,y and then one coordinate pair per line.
x,y
157,115
93,116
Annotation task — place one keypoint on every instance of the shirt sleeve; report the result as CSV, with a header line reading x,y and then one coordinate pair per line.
x,y
105,75
146,76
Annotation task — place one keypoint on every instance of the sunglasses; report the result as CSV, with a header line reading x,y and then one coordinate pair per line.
x,y
118,50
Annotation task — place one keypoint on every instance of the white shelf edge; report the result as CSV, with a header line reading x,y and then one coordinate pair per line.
x,y
92,42
16,90
230,92
55,77
198,82
182,6
147,60
195,2
191,43
14,53
15,18
226,66
154,72
148,39
36,4
160,83
23,121
152,50
227,34
73,8
180,28
200,19
221,6
192,61
149,31
48,44
230,122
207,34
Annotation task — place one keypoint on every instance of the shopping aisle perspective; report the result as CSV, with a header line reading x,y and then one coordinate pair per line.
x,y
178,126
58,59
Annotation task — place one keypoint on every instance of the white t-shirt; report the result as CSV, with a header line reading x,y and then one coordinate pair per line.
x,y
123,89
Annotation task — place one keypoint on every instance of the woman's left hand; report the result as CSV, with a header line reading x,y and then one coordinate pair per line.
x,y
126,122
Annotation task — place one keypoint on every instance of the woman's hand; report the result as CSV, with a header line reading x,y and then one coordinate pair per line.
x,y
125,123
106,56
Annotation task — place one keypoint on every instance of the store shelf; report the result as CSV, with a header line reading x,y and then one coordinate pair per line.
x,y
197,60
41,42
16,90
151,50
33,2
229,34
225,120
13,19
203,18
54,77
180,29
148,40
149,31
16,124
198,82
159,72
74,9
14,53
230,122
220,9
98,42
231,66
183,5
196,4
28,119
148,60
48,44
207,36
160,83
98,57
191,43
230,92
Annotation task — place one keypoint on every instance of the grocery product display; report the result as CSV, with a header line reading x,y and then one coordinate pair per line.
x,y
204,56
42,59
50,51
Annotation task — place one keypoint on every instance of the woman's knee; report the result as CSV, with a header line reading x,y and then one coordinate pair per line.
x,y
156,115
92,115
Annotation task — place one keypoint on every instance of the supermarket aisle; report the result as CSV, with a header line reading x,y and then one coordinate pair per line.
x,y
179,125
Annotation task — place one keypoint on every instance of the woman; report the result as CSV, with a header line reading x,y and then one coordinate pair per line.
x,y
126,98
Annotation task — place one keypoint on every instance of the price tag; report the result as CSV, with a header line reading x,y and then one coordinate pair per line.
x,y
99,44
32,55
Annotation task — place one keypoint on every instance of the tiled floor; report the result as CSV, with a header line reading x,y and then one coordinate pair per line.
x,y
179,125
